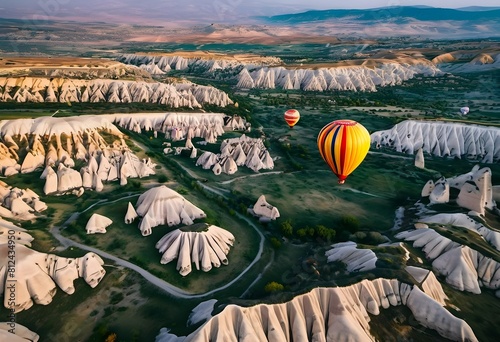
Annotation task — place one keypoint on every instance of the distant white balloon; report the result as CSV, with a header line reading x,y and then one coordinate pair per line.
x,y
464,110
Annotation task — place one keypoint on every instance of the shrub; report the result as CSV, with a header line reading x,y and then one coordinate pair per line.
x,y
286,228
162,178
275,242
349,222
273,287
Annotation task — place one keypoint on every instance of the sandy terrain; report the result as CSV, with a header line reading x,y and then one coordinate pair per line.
x,y
55,62
208,55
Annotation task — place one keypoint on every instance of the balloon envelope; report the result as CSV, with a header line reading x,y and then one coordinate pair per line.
x,y
292,116
343,145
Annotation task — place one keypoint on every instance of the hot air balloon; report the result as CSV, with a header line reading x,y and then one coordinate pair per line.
x,y
343,144
464,110
292,116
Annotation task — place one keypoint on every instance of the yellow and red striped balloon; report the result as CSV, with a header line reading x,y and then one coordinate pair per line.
x,y
292,116
343,144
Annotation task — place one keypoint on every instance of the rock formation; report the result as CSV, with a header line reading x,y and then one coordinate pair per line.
x,y
97,224
21,236
204,247
440,192
462,220
442,139
181,126
263,210
21,333
476,190
206,63
237,152
41,89
19,204
419,159
331,314
353,77
36,275
58,142
164,206
464,268
356,260
131,215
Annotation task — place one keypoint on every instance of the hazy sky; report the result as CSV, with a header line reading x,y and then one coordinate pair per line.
x,y
158,11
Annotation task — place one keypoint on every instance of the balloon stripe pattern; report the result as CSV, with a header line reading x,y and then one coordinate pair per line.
x,y
292,116
343,144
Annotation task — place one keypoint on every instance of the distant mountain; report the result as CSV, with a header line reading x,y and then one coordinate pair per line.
x,y
397,12
477,8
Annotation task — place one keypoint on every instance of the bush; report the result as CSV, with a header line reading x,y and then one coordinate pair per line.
x,y
275,242
273,287
286,228
162,178
351,223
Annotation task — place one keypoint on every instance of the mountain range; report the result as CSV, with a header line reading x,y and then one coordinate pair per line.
x,y
390,13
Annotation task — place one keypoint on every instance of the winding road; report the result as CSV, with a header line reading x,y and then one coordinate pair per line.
x,y
162,284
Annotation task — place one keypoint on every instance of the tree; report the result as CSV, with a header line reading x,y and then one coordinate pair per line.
x,y
349,222
301,233
273,287
275,242
286,228
326,234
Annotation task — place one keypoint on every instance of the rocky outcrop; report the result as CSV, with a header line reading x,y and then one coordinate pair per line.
x,y
463,267
58,142
207,63
353,77
131,214
205,247
183,94
331,314
36,275
476,190
463,220
21,236
164,206
263,210
19,204
356,259
235,152
17,334
442,139
97,224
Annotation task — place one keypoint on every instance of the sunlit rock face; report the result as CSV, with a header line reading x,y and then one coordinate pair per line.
x,y
442,139
476,190
356,260
332,314
464,268
21,333
419,159
159,64
97,224
206,248
264,210
19,204
131,214
53,144
463,220
184,94
36,275
353,77
242,151
164,206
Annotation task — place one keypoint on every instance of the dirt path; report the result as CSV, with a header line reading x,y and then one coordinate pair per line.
x,y
165,286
